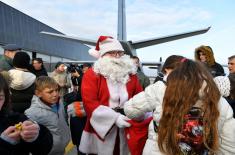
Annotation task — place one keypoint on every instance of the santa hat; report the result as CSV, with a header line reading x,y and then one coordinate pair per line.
x,y
105,44
223,85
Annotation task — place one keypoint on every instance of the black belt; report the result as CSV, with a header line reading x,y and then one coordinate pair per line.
x,y
119,110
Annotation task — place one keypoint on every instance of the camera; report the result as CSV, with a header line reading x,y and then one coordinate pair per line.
x,y
73,68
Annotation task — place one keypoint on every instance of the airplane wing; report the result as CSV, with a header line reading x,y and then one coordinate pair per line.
x,y
154,41
80,40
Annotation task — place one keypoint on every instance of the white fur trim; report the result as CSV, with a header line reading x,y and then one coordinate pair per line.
x,y
110,44
102,120
94,53
87,140
118,94
90,143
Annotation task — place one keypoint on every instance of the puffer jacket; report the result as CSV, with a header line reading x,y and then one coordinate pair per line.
x,y
54,121
214,68
22,87
152,99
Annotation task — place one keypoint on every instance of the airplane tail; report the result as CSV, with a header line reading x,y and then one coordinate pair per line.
x,y
121,21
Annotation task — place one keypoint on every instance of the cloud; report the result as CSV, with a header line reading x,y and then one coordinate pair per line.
x,y
145,19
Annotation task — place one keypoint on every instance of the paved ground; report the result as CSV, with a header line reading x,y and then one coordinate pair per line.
x,y
71,149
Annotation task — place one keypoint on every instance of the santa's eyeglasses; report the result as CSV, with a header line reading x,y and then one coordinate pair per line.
x,y
115,53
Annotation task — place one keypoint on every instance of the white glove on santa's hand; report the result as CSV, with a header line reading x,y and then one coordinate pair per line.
x,y
71,110
121,121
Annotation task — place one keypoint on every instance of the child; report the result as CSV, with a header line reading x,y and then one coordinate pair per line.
x,y
46,109
195,118
149,99
19,135
184,88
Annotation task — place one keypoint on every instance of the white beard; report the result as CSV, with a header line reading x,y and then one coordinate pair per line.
x,y
115,69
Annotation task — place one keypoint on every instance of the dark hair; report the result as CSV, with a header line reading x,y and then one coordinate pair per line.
x,y
38,60
135,57
86,65
186,85
58,64
5,88
21,60
171,62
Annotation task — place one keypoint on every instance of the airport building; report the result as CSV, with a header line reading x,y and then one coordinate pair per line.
x,y
23,30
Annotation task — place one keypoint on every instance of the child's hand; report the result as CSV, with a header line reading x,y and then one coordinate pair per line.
x,y
11,135
30,131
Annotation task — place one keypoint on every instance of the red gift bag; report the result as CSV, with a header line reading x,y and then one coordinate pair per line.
x,y
137,135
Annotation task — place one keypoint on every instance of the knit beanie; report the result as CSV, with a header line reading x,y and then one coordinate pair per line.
x,y
105,44
223,85
21,60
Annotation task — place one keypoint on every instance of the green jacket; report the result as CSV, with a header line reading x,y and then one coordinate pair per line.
x,y
5,63
143,79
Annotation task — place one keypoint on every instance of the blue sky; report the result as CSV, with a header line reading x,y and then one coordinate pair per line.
x,y
145,19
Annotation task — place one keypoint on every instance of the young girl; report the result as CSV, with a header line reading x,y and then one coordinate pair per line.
x,y
185,86
148,100
18,134
191,92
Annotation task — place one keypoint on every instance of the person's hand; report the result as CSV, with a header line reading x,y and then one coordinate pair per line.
x,y
121,121
11,135
30,131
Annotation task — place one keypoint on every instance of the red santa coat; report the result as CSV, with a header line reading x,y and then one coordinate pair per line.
x,y
100,131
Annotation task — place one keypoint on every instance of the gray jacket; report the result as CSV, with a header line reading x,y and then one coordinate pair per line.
x,y
54,121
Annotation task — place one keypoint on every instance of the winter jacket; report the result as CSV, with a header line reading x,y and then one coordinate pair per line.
x,y
53,120
22,88
214,68
152,99
41,72
5,63
231,97
41,146
143,79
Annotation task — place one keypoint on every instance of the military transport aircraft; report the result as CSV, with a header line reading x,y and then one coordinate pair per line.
x,y
130,46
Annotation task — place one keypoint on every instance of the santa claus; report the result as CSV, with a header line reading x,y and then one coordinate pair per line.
x,y
105,88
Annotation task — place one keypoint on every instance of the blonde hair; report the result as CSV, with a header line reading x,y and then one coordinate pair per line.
x,y
43,82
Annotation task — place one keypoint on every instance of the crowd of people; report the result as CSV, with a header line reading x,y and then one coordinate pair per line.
x,y
111,108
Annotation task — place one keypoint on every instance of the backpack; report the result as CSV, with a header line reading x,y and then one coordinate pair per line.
x,y
191,133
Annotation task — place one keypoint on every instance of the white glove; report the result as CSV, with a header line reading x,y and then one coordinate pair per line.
x,y
121,121
71,110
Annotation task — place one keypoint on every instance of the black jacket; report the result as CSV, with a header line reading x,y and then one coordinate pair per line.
x,y
21,99
41,72
41,146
